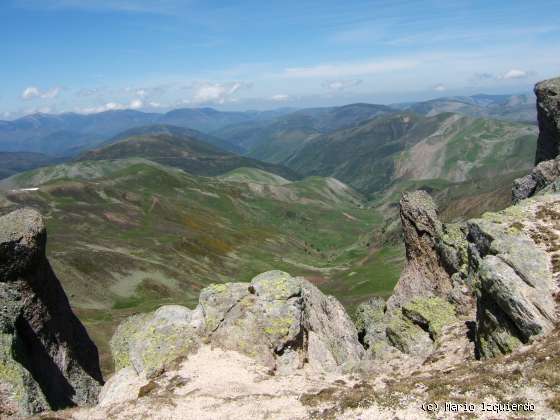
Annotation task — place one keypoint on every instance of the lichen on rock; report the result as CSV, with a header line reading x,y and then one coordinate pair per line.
x,y
149,342
279,320
432,314
513,276
409,337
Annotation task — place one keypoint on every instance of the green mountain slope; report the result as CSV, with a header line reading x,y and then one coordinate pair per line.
x,y
181,151
130,235
279,138
253,175
399,147
178,132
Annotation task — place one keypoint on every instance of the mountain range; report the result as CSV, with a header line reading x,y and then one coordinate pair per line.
x,y
68,134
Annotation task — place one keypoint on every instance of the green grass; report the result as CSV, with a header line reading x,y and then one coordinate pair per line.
x,y
193,231
376,277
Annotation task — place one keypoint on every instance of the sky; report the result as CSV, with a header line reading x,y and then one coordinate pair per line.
x,y
96,55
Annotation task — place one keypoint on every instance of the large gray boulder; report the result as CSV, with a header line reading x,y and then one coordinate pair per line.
x,y
548,113
47,360
513,256
279,320
149,343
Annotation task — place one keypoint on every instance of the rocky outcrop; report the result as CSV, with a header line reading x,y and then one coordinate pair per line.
x,y
515,269
511,260
436,255
47,360
543,178
423,274
548,113
278,320
417,327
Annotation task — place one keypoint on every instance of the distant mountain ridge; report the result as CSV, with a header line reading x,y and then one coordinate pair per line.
x,y
176,131
408,146
181,151
69,133
32,132
519,108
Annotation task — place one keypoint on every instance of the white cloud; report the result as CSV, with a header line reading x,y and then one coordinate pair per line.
x,y
280,97
112,106
136,104
32,92
155,105
338,85
514,74
350,69
440,87
218,93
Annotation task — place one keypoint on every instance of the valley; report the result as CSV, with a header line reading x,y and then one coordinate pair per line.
x,y
155,213
127,236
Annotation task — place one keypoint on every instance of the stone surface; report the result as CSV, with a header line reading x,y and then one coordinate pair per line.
x,y
424,273
150,342
431,314
47,358
370,322
543,177
548,113
279,320
408,337
513,256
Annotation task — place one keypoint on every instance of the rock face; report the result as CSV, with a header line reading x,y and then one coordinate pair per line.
x,y
371,324
548,112
435,254
47,360
543,178
515,268
278,320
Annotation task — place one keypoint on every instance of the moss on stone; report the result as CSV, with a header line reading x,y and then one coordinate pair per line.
x,y
433,313
217,288
120,341
279,327
406,336
276,285
161,344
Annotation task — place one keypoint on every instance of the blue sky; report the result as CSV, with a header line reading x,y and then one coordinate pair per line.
x,y
94,55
